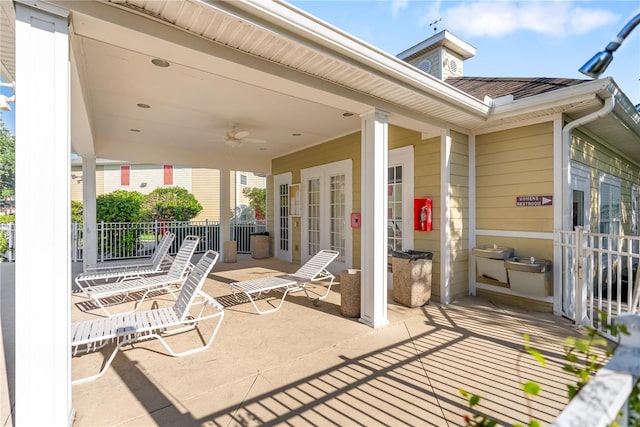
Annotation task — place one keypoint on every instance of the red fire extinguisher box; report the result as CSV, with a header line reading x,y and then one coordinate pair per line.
x,y
422,214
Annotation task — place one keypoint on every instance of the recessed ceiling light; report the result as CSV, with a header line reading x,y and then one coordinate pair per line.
x,y
347,114
144,105
160,62
134,130
262,149
296,134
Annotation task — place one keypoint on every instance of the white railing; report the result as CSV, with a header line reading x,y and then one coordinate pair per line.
x,y
599,271
123,240
605,398
9,231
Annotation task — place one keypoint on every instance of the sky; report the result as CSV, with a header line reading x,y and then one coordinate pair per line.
x,y
533,38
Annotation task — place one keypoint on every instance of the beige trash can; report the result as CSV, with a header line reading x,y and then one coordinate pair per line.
x,y
350,293
259,245
230,251
411,277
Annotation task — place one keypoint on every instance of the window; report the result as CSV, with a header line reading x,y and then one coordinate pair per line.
x,y
243,179
168,175
125,175
609,206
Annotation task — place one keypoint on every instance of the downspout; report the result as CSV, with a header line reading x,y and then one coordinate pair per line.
x,y
609,104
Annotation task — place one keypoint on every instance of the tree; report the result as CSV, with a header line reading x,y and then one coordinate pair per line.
x,y
170,204
257,200
76,211
7,162
119,206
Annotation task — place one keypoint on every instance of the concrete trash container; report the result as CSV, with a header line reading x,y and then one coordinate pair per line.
x,y
411,277
230,251
350,293
259,245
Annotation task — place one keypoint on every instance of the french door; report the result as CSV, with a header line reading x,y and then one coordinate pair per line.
x,y
326,208
282,221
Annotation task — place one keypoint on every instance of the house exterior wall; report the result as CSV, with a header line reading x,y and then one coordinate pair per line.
x,y
145,178
206,188
511,163
346,147
602,160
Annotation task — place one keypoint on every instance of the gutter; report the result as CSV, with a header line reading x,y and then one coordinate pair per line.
x,y
607,108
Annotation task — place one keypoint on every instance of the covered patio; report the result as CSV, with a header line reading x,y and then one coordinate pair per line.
x,y
308,365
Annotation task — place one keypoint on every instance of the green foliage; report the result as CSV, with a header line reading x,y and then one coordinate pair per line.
x,y
119,206
583,360
4,243
76,212
6,219
7,162
257,200
170,204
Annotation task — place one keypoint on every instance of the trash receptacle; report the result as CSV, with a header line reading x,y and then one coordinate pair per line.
x,y
259,243
350,293
230,251
411,272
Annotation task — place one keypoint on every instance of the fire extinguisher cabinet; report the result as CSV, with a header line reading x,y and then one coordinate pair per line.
x,y
411,272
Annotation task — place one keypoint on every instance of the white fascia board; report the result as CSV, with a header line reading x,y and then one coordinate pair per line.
x,y
579,93
306,27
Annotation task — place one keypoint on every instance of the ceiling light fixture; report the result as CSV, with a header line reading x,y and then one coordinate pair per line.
x,y
134,130
160,62
4,99
296,134
347,114
601,60
144,105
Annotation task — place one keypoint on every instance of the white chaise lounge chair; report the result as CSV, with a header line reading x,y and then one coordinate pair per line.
x,y
122,329
127,270
155,261
175,276
312,271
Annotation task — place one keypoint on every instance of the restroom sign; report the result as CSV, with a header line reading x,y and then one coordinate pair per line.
x,y
534,200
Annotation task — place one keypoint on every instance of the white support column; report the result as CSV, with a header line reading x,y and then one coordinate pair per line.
x,y
445,216
43,281
374,196
89,229
225,213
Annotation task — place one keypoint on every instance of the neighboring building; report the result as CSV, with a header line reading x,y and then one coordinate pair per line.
x,y
204,184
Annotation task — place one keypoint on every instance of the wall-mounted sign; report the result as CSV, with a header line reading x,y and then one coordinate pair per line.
x,y
534,200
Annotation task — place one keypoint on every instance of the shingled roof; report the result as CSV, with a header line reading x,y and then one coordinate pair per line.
x,y
519,87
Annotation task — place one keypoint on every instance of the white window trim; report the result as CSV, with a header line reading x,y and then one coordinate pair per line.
x,y
323,172
614,182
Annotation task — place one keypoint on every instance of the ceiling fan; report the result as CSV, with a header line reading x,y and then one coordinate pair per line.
x,y
235,137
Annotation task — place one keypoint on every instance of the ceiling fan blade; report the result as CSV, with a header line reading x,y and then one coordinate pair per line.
x,y
255,140
241,134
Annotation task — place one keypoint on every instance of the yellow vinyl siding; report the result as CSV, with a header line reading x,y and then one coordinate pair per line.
x,y
511,163
206,189
346,147
427,184
602,160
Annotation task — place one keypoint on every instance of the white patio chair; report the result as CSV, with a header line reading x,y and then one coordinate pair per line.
x,y
127,270
313,270
122,329
174,276
159,255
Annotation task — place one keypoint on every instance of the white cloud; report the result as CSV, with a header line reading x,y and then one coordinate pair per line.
x,y
397,5
500,18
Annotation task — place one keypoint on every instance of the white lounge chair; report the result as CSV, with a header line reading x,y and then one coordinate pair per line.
x,y
175,276
312,271
91,335
156,260
127,270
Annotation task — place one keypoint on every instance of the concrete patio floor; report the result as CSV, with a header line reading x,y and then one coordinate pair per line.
x,y
307,365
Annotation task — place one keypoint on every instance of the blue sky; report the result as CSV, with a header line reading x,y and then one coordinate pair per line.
x,y
534,38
